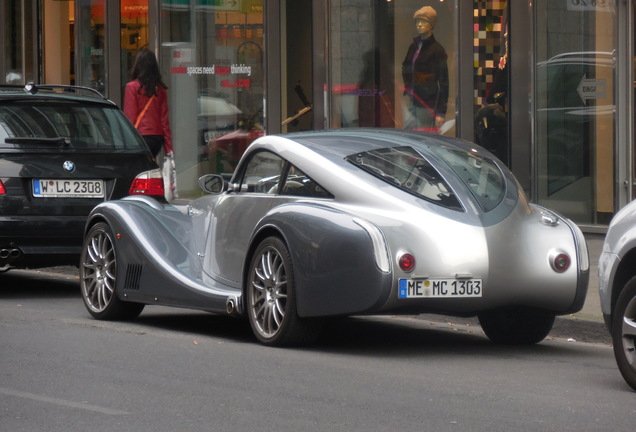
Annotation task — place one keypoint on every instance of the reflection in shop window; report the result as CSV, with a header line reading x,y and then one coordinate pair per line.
x,y
575,113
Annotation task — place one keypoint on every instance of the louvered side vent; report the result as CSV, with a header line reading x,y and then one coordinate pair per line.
x,y
133,274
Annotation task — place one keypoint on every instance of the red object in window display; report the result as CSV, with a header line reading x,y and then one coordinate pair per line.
x,y
230,147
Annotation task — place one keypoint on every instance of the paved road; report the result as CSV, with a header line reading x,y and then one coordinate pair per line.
x,y
193,371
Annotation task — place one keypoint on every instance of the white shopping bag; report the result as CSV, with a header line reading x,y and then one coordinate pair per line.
x,y
169,173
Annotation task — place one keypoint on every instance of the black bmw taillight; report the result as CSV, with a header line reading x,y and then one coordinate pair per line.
x,y
148,183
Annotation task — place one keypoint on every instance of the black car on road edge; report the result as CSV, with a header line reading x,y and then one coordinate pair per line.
x,y
63,150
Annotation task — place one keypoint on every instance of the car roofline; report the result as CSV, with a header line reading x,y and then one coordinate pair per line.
x,y
75,92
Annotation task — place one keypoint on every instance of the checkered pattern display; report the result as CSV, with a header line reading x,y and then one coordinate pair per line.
x,y
488,22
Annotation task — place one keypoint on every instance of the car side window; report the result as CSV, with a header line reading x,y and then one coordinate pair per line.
x,y
406,169
262,173
297,183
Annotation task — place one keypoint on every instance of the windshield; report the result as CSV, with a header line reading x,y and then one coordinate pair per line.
x,y
408,170
42,124
483,178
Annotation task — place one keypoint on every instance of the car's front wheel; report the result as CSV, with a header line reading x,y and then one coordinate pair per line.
x,y
516,326
624,332
271,298
98,276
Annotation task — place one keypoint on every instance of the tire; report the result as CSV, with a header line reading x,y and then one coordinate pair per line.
x,y
624,332
516,326
271,298
98,277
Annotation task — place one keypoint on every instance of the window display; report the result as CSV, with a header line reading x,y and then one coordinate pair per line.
x,y
395,67
213,56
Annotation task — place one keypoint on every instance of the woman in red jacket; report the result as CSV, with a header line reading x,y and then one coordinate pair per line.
x,y
146,103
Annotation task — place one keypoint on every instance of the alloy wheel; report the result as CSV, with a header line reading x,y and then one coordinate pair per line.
x,y
98,271
268,285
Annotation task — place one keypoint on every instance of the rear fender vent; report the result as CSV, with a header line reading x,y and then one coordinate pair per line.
x,y
133,274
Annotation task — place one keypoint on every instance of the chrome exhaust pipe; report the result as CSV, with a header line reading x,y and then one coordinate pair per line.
x,y
233,306
12,253
7,255
230,306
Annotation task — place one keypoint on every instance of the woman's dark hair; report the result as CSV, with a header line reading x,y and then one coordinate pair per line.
x,y
146,70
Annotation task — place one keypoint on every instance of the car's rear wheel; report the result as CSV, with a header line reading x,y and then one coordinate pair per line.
x,y
98,277
624,332
516,326
271,298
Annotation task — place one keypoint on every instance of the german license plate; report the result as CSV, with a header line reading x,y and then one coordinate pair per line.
x,y
439,287
43,188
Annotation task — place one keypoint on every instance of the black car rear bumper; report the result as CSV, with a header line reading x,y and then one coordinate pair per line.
x,y
40,241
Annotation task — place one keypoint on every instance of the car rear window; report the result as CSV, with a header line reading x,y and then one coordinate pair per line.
x,y
408,170
483,178
42,124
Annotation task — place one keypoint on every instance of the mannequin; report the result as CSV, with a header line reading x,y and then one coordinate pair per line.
x,y
425,75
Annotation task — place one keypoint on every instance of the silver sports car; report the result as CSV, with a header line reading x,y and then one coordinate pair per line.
x,y
336,223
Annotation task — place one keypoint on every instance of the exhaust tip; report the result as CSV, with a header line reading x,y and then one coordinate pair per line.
x,y
230,306
10,253
8,256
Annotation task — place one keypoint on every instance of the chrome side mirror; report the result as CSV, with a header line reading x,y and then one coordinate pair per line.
x,y
213,183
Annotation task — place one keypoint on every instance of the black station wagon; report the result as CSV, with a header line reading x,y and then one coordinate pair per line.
x,y
63,150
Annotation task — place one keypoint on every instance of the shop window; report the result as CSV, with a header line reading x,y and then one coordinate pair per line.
x,y
133,15
392,64
212,57
90,27
491,68
17,43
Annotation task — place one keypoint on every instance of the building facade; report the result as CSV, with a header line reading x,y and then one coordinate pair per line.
x,y
547,85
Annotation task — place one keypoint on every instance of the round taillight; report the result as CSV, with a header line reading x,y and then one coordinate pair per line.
x,y
407,262
561,262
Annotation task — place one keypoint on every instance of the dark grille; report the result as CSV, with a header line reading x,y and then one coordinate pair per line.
x,y
133,274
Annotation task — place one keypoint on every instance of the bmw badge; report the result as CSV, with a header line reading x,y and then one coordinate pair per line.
x,y
69,166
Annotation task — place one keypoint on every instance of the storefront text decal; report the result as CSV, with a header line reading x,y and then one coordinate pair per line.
x,y
220,70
